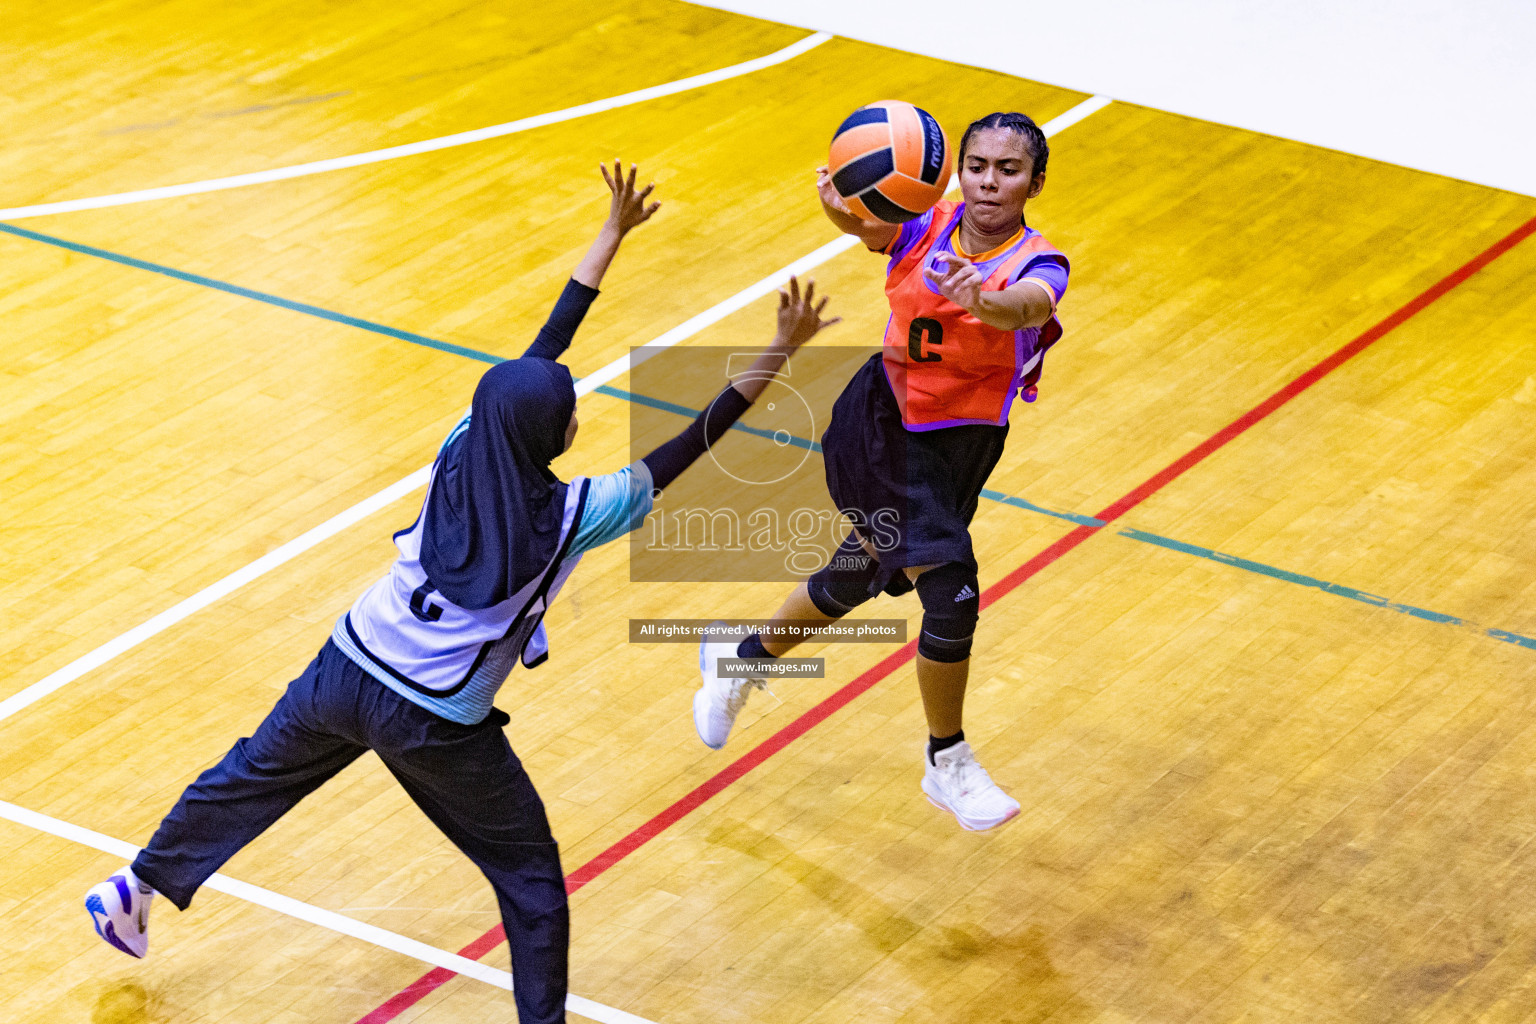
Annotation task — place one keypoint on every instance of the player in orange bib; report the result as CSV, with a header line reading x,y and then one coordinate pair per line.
x,y
915,434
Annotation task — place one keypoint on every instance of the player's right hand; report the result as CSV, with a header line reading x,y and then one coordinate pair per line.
x,y
800,315
828,192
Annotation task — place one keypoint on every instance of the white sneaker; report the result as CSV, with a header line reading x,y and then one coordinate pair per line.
x,y
954,782
718,700
119,909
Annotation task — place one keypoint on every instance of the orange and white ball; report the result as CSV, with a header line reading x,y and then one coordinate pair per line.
x,y
890,161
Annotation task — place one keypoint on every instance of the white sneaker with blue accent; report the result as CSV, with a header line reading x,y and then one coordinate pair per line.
x,y
719,700
119,908
954,782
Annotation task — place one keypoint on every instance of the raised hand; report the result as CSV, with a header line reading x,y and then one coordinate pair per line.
x,y
828,192
628,210
800,315
799,321
960,284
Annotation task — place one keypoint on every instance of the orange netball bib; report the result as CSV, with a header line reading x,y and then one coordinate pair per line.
x,y
945,367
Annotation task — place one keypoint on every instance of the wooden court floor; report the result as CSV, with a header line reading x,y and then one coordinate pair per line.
x,y
1272,722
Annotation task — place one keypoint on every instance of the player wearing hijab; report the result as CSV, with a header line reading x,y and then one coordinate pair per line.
x,y
411,669
918,430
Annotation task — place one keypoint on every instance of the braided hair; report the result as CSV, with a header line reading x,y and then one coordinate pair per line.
x,y
1019,124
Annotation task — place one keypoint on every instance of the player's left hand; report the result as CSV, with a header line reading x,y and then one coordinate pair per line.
x,y
628,209
960,284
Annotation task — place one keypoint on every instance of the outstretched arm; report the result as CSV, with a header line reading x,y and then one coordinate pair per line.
x,y
799,321
619,502
1025,303
627,211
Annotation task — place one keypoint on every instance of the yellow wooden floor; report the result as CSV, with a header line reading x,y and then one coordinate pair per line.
x,y
1246,799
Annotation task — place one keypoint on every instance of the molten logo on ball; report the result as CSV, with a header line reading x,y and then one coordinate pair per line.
x,y
890,161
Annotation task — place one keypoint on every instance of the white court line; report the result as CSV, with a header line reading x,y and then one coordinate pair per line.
x,y
427,146
209,594
265,564
315,915
1091,105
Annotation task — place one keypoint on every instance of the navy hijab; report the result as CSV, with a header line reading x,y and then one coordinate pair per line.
x,y
494,512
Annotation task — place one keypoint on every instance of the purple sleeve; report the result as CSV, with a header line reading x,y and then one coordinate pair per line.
x,y
910,232
1048,267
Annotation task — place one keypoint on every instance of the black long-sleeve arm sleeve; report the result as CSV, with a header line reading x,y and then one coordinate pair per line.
x,y
668,461
556,334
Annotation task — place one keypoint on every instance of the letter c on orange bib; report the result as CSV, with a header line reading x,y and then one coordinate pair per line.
x,y
890,161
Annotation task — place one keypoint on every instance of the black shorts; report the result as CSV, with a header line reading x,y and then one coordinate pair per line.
x,y
916,491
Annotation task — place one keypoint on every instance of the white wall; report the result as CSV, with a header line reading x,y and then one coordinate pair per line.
x,y
1447,86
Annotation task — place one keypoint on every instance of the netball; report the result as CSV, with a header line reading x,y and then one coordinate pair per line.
x,y
890,161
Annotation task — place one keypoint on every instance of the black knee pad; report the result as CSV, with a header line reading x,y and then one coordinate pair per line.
x,y
951,597
841,585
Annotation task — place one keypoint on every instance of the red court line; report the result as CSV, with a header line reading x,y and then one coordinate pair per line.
x,y
434,978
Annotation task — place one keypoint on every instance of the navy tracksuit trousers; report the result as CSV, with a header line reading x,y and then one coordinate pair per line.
x,y
465,777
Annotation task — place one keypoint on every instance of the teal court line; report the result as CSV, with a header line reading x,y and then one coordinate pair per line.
x,y
780,436
1071,517
1338,589
250,293
1209,554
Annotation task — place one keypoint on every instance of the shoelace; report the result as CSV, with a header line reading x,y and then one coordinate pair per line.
x,y
737,695
969,777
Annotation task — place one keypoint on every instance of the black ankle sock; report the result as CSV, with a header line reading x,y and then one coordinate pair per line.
x,y
752,647
938,743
